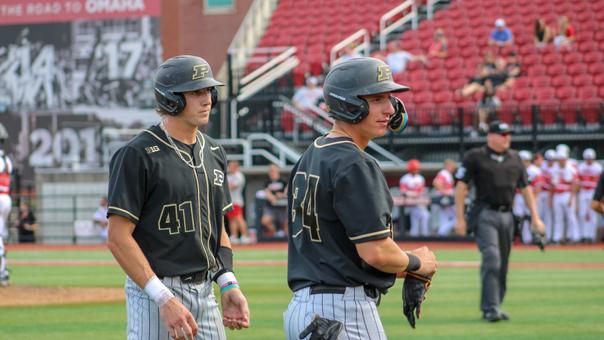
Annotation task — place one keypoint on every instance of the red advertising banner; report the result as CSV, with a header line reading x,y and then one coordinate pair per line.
x,y
45,11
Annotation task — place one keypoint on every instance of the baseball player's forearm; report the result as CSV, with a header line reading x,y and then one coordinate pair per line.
x,y
384,255
127,252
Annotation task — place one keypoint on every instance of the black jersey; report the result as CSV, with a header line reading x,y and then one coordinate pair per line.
x,y
177,210
338,197
599,192
495,175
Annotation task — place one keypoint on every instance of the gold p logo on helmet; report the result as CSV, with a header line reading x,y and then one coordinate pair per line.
x,y
200,71
384,73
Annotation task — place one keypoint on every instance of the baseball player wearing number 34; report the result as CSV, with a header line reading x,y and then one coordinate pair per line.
x,y
168,192
341,255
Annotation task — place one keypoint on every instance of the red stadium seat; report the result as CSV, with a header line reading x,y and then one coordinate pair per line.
x,y
422,97
551,58
561,80
540,81
531,59
592,57
587,92
596,68
443,97
565,93
599,80
440,85
522,94
437,75
537,70
544,93
572,58
582,80
576,69
556,69
417,75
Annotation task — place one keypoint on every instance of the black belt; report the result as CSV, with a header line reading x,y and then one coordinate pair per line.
x,y
197,277
500,208
325,289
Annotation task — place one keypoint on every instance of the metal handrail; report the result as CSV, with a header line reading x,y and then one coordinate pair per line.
x,y
412,16
264,68
285,152
347,41
267,78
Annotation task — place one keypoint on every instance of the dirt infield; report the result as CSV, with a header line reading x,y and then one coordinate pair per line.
x,y
36,296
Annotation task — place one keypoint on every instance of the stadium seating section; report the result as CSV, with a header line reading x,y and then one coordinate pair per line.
x,y
567,84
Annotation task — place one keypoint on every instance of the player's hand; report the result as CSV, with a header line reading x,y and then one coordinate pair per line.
x,y
537,225
461,226
178,320
428,261
235,312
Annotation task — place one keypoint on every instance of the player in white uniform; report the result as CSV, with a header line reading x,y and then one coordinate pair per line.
x,y
6,168
445,187
413,186
589,171
544,197
564,188
520,208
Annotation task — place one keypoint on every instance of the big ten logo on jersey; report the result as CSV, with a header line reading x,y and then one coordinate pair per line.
x,y
65,147
304,206
200,71
152,149
218,177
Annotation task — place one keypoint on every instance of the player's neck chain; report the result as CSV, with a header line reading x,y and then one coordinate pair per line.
x,y
340,133
189,163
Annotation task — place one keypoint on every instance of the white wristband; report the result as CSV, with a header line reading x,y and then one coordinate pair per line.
x,y
157,291
225,277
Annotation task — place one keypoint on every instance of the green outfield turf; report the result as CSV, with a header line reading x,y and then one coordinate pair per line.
x,y
550,303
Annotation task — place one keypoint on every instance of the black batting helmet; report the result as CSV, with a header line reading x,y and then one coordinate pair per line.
x,y
180,74
348,81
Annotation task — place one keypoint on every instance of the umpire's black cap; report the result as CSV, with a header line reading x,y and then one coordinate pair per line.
x,y
499,127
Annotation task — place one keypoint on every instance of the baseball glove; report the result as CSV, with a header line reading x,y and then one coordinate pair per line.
x,y
322,329
414,294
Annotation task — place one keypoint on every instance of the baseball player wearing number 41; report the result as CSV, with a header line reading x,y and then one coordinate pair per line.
x,y
168,193
341,255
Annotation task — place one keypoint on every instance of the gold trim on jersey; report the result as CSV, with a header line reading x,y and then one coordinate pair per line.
x,y
124,211
369,235
206,249
316,144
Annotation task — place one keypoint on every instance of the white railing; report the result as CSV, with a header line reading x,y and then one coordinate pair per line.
x,y
249,33
386,28
284,152
430,8
363,46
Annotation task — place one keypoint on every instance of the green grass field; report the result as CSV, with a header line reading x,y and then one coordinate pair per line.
x,y
543,303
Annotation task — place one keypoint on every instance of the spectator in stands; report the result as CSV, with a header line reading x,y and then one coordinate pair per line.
x,y
543,33
501,36
413,188
348,53
237,223
439,47
100,218
513,67
476,83
398,58
274,219
444,184
566,33
488,104
308,95
27,224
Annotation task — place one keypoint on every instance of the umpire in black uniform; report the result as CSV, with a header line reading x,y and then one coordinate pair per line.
x,y
497,172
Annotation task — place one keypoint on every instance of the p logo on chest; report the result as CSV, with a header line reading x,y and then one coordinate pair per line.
x,y
218,177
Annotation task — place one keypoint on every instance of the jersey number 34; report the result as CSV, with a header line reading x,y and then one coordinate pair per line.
x,y
304,206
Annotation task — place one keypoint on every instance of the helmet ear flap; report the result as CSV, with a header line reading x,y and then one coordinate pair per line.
x,y
214,95
398,121
169,102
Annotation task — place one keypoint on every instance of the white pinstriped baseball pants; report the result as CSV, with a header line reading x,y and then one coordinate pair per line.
x,y
143,314
357,311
